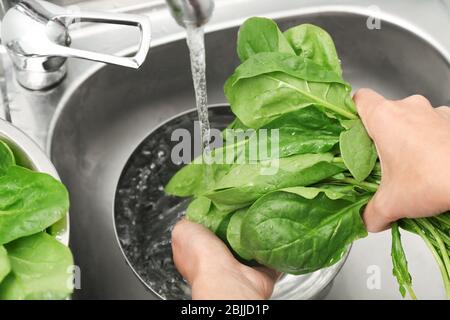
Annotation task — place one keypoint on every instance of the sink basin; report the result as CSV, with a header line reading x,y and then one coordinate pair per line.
x,y
104,116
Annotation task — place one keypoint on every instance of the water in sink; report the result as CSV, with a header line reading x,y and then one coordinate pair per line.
x,y
144,215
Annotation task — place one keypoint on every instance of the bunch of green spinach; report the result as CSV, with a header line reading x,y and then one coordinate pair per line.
x,y
33,263
306,215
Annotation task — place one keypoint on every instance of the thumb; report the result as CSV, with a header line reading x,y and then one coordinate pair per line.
x,y
366,101
375,216
195,248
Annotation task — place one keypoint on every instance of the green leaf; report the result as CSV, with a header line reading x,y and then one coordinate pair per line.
x,y
260,35
191,179
5,266
358,151
237,124
399,263
246,182
234,234
297,235
268,85
307,130
40,269
30,202
332,192
6,157
312,42
202,211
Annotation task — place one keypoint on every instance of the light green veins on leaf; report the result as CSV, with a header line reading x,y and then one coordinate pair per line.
x,y
5,266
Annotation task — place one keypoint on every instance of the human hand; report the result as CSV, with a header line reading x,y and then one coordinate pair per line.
x,y
212,271
413,143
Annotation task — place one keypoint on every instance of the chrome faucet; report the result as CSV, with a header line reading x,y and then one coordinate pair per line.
x,y
191,12
35,34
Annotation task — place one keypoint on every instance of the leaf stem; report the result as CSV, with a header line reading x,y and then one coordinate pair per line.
x,y
410,291
372,187
442,219
427,225
444,273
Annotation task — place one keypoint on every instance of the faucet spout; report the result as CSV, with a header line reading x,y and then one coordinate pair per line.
x,y
191,12
5,5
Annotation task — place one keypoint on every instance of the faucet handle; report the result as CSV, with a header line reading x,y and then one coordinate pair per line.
x,y
36,36
135,61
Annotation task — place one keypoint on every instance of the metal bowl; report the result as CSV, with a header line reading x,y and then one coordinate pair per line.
x,y
29,155
144,215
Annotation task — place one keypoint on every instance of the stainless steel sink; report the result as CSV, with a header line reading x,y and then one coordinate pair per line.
x,y
101,113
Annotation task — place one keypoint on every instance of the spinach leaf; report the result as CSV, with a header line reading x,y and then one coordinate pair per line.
x,y
245,183
358,151
234,234
202,211
268,85
312,42
29,203
297,235
260,35
6,157
190,179
5,267
332,192
40,269
237,124
399,263
307,130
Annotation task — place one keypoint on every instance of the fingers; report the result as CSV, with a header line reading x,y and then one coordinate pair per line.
x,y
210,268
272,274
375,217
181,247
414,100
443,111
194,247
366,101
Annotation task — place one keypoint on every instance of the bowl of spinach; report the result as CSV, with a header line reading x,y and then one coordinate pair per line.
x,y
35,262
304,217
